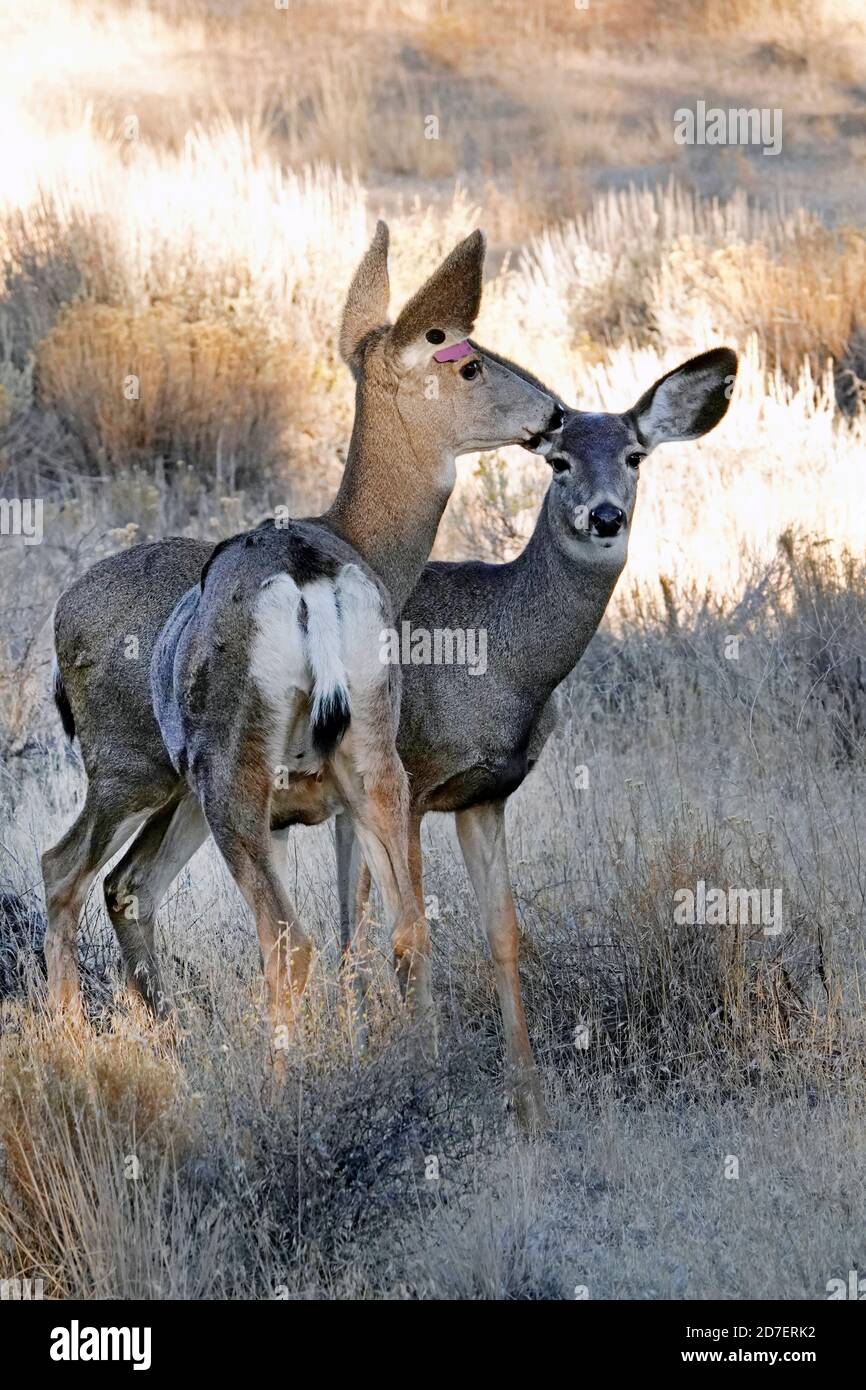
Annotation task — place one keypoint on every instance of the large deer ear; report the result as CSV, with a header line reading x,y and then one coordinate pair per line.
x,y
689,401
443,312
366,305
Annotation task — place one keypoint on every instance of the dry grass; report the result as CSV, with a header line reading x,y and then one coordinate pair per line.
x,y
83,1123
131,386
698,1043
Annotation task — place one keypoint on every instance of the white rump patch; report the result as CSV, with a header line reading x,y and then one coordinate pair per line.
x,y
363,620
278,663
337,658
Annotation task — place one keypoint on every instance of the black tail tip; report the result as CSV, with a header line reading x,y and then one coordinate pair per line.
x,y
331,719
64,709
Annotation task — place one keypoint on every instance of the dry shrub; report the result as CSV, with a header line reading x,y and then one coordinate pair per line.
x,y
664,266
244,1183
805,299
829,603
594,275
215,393
83,1123
507,1243
697,994
486,521
451,27
20,698
802,24
49,257
665,1005
339,1153
344,114
799,673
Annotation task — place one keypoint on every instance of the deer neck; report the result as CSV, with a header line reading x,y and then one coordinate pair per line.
x,y
559,600
394,490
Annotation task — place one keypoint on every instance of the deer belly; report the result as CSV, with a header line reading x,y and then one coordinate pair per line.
x,y
304,801
493,779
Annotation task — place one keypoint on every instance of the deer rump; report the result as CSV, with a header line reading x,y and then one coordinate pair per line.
x,y
284,614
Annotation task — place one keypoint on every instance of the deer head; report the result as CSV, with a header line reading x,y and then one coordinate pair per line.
x,y
597,456
446,396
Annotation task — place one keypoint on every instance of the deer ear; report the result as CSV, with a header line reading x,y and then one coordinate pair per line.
x,y
366,305
443,312
689,401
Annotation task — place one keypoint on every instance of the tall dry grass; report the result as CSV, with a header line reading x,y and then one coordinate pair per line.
x,y
144,1163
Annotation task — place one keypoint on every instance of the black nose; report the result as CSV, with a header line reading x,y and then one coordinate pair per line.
x,y
555,421
607,519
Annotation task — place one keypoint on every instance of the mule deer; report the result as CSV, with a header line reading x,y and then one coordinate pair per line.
x,y
261,654
467,741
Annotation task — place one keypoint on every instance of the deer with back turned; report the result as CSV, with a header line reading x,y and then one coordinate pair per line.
x,y
257,699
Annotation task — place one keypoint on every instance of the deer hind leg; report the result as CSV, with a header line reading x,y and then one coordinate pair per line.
x,y
353,888
237,807
105,823
373,783
353,883
481,831
137,884
381,819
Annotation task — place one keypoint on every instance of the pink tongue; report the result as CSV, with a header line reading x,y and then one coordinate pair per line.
x,y
453,354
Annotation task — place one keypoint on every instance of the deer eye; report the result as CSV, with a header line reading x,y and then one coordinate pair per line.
x,y
559,464
470,370
634,459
